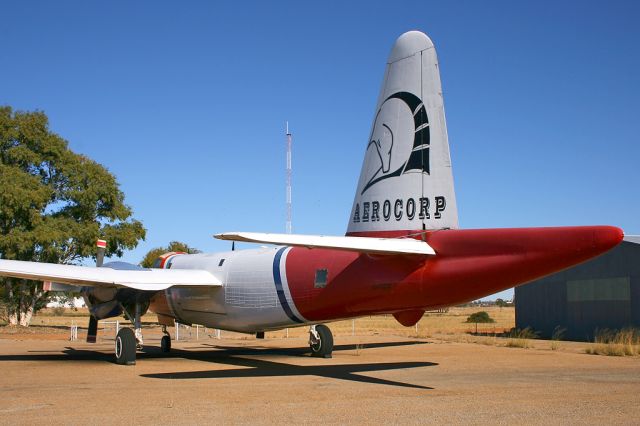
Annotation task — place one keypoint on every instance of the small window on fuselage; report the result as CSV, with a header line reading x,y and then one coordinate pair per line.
x,y
321,278
221,262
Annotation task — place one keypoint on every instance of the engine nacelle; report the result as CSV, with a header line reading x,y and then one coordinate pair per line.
x,y
107,302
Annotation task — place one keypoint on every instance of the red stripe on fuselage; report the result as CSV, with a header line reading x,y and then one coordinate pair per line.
x,y
468,264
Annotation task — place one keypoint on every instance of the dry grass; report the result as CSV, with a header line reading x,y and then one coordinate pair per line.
x,y
52,321
449,325
52,317
470,338
432,324
625,342
558,334
521,338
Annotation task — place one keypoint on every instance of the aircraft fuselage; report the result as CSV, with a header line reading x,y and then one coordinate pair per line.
x,y
274,288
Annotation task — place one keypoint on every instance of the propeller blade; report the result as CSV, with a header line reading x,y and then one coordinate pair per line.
x,y
92,332
102,245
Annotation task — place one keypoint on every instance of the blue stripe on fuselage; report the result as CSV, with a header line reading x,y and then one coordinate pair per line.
x,y
279,290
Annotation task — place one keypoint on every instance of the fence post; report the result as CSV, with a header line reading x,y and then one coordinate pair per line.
x,y
73,332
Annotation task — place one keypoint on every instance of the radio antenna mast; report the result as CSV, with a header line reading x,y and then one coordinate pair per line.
x,y
288,136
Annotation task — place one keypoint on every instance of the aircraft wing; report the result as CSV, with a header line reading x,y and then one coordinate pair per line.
x,y
358,244
152,279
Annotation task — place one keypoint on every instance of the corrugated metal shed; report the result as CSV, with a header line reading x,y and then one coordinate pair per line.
x,y
601,293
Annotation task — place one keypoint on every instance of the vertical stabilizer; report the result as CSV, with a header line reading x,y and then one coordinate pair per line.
x,y
406,182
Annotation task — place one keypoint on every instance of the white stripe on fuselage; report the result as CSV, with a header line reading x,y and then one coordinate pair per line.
x,y
285,285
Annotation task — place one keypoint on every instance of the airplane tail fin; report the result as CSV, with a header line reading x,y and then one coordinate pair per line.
x,y
406,182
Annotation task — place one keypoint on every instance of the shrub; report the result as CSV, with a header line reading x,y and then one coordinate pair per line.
x,y
480,317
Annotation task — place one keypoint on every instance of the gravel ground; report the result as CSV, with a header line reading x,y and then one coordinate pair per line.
x,y
370,379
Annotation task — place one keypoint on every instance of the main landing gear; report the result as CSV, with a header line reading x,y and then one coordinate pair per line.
x,y
129,341
126,346
320,341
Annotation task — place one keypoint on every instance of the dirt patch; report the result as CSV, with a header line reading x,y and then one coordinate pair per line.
x,y
370,379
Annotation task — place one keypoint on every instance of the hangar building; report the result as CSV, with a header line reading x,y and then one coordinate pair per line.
x,y
601,293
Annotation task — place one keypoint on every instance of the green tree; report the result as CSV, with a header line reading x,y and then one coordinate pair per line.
x,y
479,317
501,303
155,253
54,204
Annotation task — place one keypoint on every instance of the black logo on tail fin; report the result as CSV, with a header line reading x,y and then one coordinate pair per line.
x,y
382,141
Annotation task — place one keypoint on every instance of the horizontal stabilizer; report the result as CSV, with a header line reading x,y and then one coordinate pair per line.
x,y
151,279
358,244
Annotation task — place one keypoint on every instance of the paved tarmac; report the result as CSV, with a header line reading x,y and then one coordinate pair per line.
x,y
369,380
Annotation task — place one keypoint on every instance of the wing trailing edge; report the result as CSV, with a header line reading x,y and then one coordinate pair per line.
x,y
151,279
386,246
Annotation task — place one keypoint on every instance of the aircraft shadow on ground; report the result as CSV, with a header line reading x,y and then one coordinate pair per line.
x,y
68,354
263,350
249,367
260,368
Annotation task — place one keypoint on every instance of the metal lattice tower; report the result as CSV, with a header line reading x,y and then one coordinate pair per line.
x,y
288,135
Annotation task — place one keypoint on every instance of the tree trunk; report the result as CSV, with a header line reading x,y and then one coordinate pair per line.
x,y
29,298
25,317
12,314
22,289
21,301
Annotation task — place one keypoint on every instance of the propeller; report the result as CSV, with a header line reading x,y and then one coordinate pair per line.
x,y
92,332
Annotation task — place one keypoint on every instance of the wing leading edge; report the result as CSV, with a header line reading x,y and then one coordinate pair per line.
x,y
358,244
152,279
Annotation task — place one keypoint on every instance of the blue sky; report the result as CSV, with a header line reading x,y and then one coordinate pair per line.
x,y
185,102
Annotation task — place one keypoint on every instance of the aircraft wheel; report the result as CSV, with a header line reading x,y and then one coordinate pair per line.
x,y
126,347
322,344
165,343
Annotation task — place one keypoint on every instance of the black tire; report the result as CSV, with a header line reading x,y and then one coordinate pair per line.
x,y
126,347
324,347
165,344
